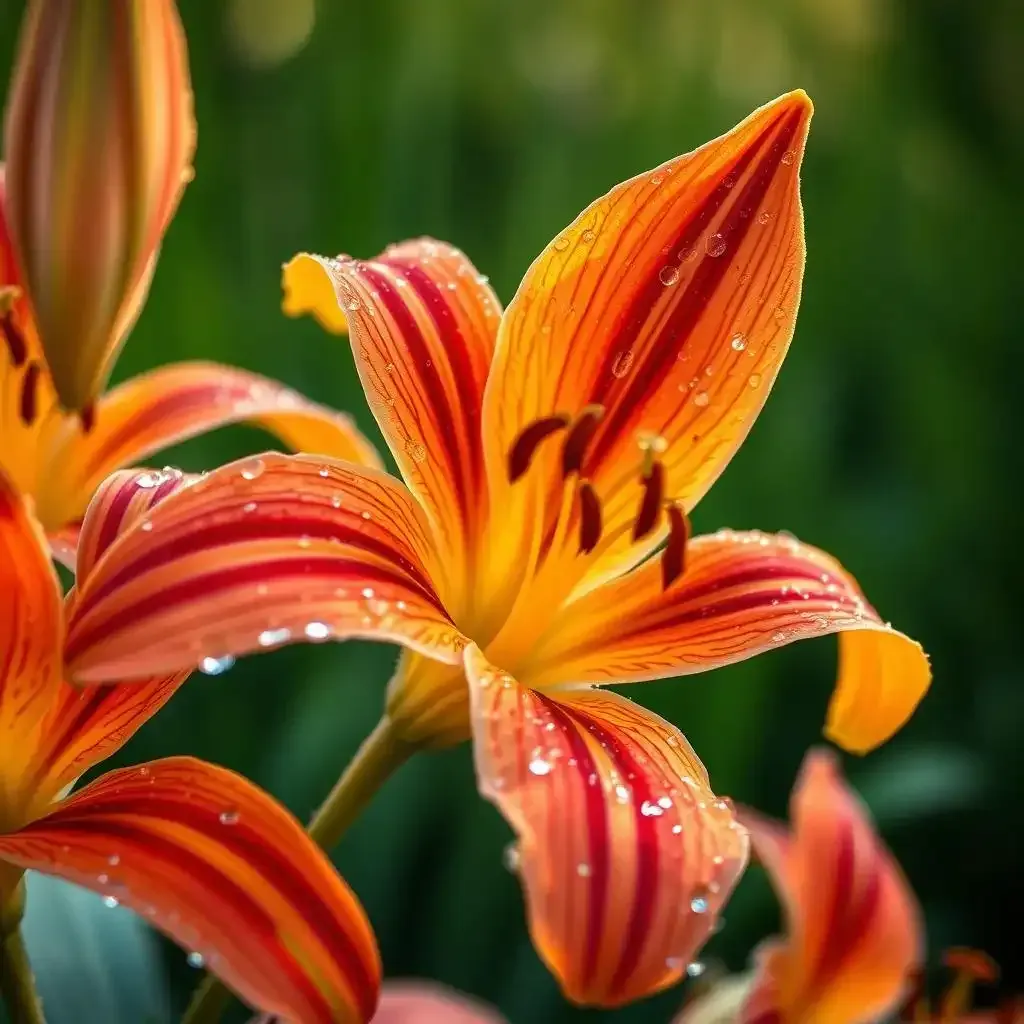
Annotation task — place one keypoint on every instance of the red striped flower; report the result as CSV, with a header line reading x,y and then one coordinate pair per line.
x,y
52,457
854,933
207,857
539,543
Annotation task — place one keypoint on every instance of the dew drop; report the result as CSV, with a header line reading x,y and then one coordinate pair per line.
x,y
622,794
147,481
196,959
317,631
145,526
701,399
699,905
561,244
252,469
539,766
273,637
788,157
113,860
677,830
229,817
754,380
695,969
780,313
588,236
324,472
366,515
738,343
583,869
669,275
111,901
511,858
249,506
353,304
216,666
763,217
715,244
623,361
649,809
368,593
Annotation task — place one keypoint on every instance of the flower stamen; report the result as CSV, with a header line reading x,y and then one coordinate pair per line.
x,y
526,444
579,437
653,483
590,517
16,343
673,559
29,391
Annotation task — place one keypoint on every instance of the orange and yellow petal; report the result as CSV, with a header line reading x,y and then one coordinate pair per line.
x,y
168,405
422,322
854,931
418,1002
626,855
99,135
669,303
741,593
262,552
31,631
226,872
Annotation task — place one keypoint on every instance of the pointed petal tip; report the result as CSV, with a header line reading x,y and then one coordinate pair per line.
x,y
308,289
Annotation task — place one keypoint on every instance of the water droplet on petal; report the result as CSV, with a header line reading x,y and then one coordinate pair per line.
x,y
113,860
148,480
699,905
561,244
623,362
229,817
715,244
325,472
196,959
252,469
669,275
763,217
273,637
145,526
701,399
738,343
788,157
649,809
539,766
317,631
216,666
588,236
510,857
695,970
111,901
754,380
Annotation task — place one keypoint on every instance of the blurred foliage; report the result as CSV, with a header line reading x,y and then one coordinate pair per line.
x,y
889,440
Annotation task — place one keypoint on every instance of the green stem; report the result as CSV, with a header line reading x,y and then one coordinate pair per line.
x,y
381,754
17,984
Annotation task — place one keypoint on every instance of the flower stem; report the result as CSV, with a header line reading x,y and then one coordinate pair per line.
x,y
16,981
381,754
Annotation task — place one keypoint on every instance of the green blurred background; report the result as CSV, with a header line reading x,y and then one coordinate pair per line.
x,y
890,438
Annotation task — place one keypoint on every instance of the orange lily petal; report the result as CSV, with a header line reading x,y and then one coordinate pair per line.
x,y
854,928
422,323
225,871
670,303
741,593
30,636
419,1002
307,288
626,855
169,405
259,553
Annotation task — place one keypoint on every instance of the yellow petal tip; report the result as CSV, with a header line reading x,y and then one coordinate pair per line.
x,y
308,290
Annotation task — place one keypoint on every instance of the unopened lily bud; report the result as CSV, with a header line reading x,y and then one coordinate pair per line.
x,y
99,138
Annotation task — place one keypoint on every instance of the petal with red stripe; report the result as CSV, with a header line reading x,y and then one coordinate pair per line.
x,y
741,593
173,403
226,872
422,323
854,931
669,303
31,630
259,553
626,855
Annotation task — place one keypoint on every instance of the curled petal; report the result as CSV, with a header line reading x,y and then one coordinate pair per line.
x,y
171,404
31,631
259,553
412,1002
307,287
226,872
99,135
422,323
626,855
854,932
670,302
742,593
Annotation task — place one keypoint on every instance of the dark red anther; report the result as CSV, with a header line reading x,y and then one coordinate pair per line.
x,y
653,483
88,417
16,343
673,559
590,518
29,390
580,435
526,444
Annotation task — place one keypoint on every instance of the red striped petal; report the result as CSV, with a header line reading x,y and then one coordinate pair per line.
x,y
262,552
226,872
422,323
854,927
31,631
742,593
670,302
169,405
626,855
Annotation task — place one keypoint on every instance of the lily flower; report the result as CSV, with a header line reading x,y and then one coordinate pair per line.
x,y
206,856
540,543
854,932
50,455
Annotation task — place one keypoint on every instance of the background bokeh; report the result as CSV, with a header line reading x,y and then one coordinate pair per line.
x,y
891,439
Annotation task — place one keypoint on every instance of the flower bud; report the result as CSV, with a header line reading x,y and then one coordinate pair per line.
x,y
99,137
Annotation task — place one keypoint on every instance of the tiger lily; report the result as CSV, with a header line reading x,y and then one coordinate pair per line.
x,y
52,456
854,935
645,337
206,856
